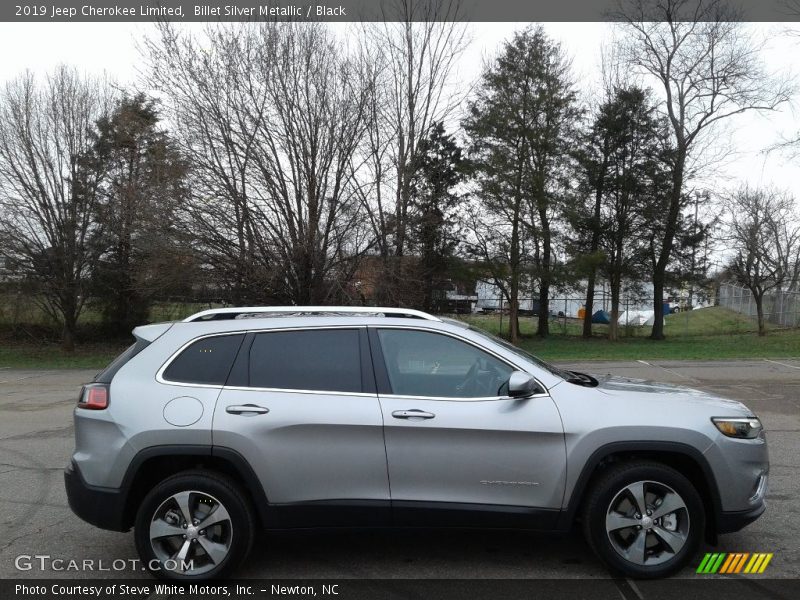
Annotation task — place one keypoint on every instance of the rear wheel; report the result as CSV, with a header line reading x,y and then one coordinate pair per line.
x,y
644,519
193,526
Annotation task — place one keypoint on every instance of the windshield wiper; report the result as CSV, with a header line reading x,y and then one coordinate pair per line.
x,y
582,379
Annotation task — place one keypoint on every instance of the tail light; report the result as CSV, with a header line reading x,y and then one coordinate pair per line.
x,y
94,396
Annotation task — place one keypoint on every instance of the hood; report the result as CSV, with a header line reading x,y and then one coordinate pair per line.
x,y
651,391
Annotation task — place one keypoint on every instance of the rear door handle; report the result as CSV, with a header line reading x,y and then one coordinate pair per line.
x,y
247,409
413,413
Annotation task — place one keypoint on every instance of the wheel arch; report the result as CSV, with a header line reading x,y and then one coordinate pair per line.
x,y
689,461
152,465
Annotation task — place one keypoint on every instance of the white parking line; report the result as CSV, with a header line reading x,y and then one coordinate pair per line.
x,y
644,362
634,588
781,364
18,379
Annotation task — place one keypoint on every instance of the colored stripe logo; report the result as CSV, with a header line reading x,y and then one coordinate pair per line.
x,y
734,562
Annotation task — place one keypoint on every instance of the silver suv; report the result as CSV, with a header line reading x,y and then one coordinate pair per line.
x,y
292,417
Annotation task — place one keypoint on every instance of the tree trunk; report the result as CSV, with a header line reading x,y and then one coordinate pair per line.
x,y
598,202
543,330
613,325
660,269
427,295
513,301
514,266
513,317
762,327
68,333
657,333
543,327
589,304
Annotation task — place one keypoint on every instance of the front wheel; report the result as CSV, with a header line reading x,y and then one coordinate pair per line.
x,y
193,526
644,519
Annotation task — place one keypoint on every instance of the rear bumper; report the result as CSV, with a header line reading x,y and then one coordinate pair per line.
x,y
101,507
728,522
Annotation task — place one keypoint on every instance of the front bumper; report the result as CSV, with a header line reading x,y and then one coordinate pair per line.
x,y
728,522
101,507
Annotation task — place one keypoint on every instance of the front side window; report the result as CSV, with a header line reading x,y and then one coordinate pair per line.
x,y
206,361
523,354
420,363
317,360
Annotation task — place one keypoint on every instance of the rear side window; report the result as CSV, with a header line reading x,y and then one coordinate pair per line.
x,y
206,361
319,360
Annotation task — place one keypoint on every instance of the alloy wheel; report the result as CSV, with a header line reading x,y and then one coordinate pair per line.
x,y
191,533
647,523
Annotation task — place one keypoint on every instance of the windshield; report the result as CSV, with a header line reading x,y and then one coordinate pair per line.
x,y
523,354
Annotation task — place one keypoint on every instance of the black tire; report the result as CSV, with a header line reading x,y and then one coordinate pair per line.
x,y
660,481
207,489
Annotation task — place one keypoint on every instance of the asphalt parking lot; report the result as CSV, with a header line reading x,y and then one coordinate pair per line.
x,y
36,441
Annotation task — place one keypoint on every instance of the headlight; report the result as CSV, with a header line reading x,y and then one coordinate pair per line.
x,y
738,427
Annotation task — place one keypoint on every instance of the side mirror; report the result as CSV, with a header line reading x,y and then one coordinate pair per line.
x,y
522,385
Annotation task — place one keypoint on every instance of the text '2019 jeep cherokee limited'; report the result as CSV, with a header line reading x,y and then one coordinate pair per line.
x,y
279,418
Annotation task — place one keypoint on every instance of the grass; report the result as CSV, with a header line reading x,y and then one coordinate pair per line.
x,y
20,309
710,333
777,344
714,320
27,355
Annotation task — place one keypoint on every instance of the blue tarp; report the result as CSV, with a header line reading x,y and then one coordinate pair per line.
x,y
601,316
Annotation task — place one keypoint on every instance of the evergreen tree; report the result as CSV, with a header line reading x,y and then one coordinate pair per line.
x,y
521,125
438,170
139,197
637,187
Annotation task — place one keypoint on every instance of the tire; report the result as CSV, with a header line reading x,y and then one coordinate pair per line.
x,y
163,535
664,541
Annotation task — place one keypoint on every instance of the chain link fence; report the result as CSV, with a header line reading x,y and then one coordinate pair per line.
x,y
699,313
781,308
566,314
21,317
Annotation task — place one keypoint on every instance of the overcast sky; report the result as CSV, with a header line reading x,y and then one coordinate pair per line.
x,y
112,48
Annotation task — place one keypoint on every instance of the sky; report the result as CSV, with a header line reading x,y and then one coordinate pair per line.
x,y
111,48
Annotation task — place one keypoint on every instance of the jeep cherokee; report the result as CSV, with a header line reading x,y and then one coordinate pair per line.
x,y
286,417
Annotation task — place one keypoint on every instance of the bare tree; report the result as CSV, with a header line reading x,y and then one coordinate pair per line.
x,y
415,51
48,187
764,233
205,82
707,68
272,116
306,160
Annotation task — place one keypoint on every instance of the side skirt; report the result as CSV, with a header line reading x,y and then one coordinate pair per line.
x,y
399,513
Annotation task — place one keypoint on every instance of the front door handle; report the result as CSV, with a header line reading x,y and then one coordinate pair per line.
x,y
247,409
413,413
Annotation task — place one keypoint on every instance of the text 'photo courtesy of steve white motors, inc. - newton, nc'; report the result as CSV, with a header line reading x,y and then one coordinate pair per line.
x,y
298,11
167,590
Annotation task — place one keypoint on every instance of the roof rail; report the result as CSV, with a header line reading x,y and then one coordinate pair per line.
x,y
217,314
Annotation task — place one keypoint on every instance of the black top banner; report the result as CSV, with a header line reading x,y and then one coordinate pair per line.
x,y
374,10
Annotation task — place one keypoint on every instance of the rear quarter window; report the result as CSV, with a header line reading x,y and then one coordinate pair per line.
x,y
206,361
107,374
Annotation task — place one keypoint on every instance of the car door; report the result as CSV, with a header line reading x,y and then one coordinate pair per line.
x,y
300,406
455,440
